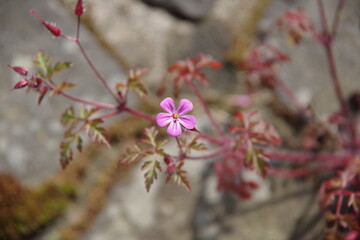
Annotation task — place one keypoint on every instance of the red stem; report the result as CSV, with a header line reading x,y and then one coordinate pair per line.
x,y
206,109
140,114
211,155
301,172
96,72
291,97
301,157
78,29
108,115
324,23
336,20
80,100
95,104
327,43
213,140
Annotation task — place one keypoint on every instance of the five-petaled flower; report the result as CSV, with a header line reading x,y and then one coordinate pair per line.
x,y
174,117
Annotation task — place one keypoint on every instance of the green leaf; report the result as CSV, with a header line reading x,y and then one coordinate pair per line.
x,y
60,66
151,134
132,156
96,133
258,160
43,62
68,116
61,87
79,143
134,82
85,113
151,174
137,87
198,146
179,176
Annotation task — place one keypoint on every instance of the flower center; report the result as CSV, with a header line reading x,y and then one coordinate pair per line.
x,y
175,116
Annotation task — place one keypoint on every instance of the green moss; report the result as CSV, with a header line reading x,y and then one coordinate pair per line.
x,y
24,211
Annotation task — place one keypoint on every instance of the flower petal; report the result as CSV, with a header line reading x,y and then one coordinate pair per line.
x,y
185,106
168,105
163,119
174,129
188,121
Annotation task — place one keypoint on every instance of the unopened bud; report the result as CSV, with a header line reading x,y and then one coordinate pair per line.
x,y
51,27
21,84
79,8
20,70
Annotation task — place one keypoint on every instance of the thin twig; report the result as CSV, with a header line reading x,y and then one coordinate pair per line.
x,y
140,114
96,72
336,20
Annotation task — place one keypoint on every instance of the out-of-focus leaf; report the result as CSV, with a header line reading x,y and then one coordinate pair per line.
x,y
43,62
60,66
68,116
132,156
66,153
61,87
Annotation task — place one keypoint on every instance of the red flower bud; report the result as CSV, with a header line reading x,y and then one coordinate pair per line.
x,y
20,70
51,27
79,8
22,83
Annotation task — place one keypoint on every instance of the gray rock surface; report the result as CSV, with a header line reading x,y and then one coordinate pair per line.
x,y
150,37
189,9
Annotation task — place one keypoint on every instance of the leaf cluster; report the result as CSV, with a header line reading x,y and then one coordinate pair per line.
x,y
83,123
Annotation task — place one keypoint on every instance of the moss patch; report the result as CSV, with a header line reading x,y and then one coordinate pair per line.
x,y
24,211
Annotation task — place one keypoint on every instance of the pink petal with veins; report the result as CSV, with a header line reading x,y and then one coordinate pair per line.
x,y
174,129
185,106
168,105
163,119
188,121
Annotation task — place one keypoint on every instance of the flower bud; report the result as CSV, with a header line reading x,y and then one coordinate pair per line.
x,y
21,84
20,70
51,27
79,8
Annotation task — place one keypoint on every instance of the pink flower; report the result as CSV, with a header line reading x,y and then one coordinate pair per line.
x,y
175,117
